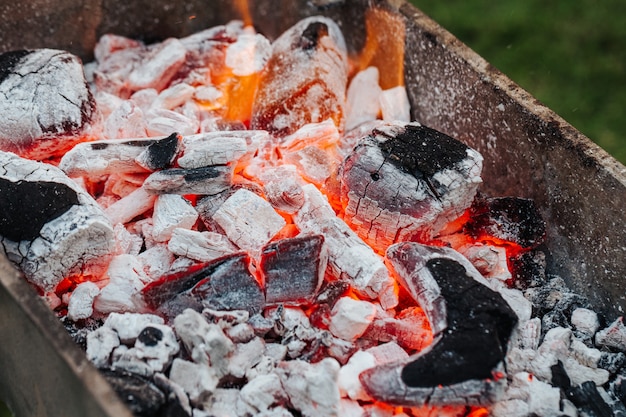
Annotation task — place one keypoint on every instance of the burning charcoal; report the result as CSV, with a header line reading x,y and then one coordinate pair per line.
x,y
122,293
231,286
528,396
174,96
283,188
157,345
349,258
490,261
463,364
206,343
245,356
219,148
81,301
248,220
171,211
125,121
162,122
587,396
407,183
129,325
512,219
613,336
50,227
100,344
585,321
200,246
156,261
363,98
410,329
206,180
293,269
131,206
312,388
140,395
394,105
96,159
348,378
528,269
45,102
158,67
129,360
263,392
350,318
305,78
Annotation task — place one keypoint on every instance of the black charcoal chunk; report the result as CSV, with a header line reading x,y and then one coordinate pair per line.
x,y
589,401
480,323
45,102
141,396
205,181
150,336
422,151
471,325
28,205
293,268
406,183
528,269
512,219
161,153
230,286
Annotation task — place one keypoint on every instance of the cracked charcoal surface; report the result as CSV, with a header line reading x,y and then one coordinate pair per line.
x,y
480,323
422,151
28,205
140,395
43,94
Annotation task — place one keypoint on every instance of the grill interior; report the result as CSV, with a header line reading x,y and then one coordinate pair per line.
x,y
529,152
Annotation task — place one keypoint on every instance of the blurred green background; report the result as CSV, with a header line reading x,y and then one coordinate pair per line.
x,y
569,54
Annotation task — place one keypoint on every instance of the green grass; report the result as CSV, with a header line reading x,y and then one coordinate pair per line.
x,y
569,54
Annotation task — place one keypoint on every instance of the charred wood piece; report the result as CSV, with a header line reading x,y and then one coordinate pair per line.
x,y
45,102
305,78
205,181
406,182
223,284
293,269
512,219
49,226
104,157
464,365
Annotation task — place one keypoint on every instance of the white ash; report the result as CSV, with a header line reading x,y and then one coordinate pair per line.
x,y
45,102
613,336
126,121
131,206
158,66
350,318
362,104
163,122
81,301
173,96
171,211
79,240
394,105
215,148
156,345
197,379
129,325
157,261
248,220
585,321
248,55
200,246
100,344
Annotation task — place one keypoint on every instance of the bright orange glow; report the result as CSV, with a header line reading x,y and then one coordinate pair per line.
x,y
384,47
478,412
244,10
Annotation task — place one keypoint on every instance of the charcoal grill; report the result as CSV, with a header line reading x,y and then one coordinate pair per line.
x,y
529,152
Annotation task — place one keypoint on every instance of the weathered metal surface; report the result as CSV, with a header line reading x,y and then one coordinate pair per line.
x,y
529,152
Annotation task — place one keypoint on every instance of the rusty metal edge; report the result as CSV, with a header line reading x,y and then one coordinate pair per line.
x,y
42,371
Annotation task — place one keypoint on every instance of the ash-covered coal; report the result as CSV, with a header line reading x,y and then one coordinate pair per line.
x,y
43,97
248,212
